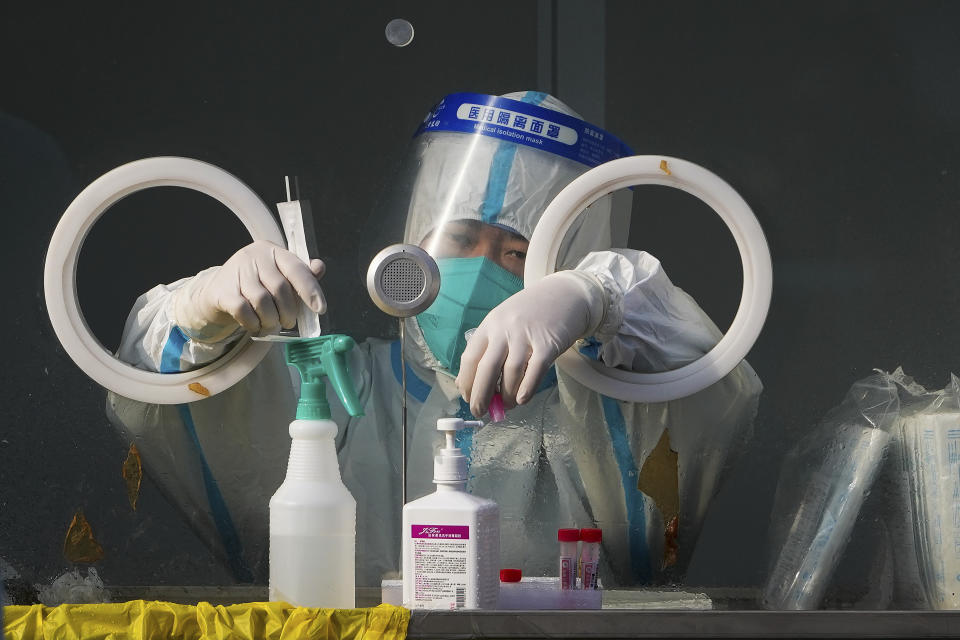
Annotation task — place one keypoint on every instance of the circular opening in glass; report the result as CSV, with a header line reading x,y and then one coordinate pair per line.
x,y
151,237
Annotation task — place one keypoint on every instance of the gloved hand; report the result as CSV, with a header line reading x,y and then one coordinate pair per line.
x,y
523,335
259,288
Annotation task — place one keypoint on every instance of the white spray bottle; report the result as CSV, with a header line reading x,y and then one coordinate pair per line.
x,y
451,539
312,514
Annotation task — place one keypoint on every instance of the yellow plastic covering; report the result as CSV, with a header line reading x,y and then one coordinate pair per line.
x,y
142,620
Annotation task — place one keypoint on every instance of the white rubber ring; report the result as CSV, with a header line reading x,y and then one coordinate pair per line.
x,y
754,253
60,286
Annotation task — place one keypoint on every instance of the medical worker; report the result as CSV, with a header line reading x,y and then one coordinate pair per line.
x,y
481,171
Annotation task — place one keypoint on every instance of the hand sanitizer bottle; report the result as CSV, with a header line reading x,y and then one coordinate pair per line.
x,y
451,539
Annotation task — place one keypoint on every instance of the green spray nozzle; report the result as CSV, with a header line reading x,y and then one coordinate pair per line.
x,y
315,358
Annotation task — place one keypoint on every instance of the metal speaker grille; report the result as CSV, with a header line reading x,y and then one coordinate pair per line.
x,y
402,280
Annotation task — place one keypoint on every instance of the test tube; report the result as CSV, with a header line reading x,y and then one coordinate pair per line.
x,y
511,596
590,557
497,412
511,575
568,539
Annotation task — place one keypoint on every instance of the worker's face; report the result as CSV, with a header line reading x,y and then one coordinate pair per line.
x,y
475,239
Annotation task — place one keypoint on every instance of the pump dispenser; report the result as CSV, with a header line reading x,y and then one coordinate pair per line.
x,y
312,514
451,539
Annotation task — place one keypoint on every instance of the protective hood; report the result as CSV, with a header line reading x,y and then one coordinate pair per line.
x,y
482,169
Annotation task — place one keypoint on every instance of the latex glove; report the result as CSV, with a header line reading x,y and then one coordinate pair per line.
x,y
518,341
259,288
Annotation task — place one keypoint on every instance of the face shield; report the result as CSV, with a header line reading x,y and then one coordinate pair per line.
x,y
480,172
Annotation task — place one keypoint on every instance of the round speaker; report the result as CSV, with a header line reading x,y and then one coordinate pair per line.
x,y
403,280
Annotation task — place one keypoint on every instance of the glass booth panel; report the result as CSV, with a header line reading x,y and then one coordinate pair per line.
x,y
835,123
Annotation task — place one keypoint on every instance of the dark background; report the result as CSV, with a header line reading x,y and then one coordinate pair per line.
x,y
837,121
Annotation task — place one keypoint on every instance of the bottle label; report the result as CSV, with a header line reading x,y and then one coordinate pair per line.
x,y
589,576
567,580
439,566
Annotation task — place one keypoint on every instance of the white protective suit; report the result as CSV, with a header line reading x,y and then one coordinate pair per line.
x,y
567,458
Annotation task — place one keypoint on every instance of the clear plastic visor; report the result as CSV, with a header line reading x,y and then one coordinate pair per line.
x,y
469,196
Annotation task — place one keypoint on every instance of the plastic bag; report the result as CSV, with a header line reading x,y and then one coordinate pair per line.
x,y
74,588
930,428
894,436
140,620
823,484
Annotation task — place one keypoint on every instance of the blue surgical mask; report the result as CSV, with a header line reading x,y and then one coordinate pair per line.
x,y
469,289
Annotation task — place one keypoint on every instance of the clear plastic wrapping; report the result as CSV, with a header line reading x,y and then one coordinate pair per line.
x,y
887,423
930,427
822,487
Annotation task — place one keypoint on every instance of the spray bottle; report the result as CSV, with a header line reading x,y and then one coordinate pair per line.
x,y
312,514
451,539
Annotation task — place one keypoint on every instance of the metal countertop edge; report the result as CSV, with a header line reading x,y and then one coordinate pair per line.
x,y
428,625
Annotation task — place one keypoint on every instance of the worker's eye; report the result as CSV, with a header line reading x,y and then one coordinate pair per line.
x,y
516,253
